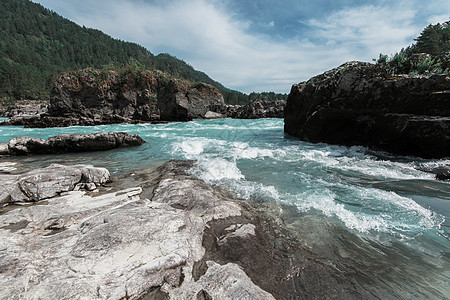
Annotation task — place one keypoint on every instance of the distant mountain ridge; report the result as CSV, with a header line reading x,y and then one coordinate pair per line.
x,y
36,44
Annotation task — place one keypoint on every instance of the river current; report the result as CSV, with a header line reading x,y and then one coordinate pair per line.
x,y
378,214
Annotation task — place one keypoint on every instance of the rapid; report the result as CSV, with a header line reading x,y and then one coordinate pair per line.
x,y
382,216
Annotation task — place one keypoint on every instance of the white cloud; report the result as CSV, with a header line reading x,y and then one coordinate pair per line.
x,y
439,19
210,38
369,29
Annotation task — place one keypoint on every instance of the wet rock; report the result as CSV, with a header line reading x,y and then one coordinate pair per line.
x,y
4,149
23,145
362,104
72,142
48,182
444,175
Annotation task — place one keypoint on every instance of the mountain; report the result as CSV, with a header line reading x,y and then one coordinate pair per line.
x,y
36,44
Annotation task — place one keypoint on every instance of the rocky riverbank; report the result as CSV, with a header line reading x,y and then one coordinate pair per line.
x,y
158,234
69,143
363,104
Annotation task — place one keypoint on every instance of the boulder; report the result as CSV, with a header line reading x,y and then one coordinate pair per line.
x,y
4,149
361,104
72,142
183,101
100,141
23,145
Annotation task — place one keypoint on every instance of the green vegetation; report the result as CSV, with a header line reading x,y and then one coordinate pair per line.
x,y
36,44
429,55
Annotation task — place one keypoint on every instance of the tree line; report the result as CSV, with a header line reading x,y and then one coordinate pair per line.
x,y
37,44
430,54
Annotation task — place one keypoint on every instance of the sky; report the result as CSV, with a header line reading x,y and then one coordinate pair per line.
x,y
260,45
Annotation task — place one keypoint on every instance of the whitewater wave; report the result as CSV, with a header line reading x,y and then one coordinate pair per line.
x,y
216,170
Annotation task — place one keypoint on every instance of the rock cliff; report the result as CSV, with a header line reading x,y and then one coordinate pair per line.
x,y
91,97
362,104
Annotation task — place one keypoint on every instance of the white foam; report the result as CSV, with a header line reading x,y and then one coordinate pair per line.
x,y
248,190
192,147
325,202
243,150
391,213
217,169
353,160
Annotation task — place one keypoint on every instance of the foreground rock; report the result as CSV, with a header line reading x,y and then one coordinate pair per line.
x,y
90,97
257,109
72,142
118,246
49,182
187,241
361,104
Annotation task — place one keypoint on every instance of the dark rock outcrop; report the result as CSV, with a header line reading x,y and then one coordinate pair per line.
x,y
257,109
361,104
90,97
72,142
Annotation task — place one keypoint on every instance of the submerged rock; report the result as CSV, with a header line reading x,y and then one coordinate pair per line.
x,y
72,142
361,104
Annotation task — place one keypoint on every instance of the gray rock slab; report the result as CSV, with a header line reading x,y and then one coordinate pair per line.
x,y
48,182
119,246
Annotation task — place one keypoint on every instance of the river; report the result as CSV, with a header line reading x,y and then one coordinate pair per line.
x,y
376,213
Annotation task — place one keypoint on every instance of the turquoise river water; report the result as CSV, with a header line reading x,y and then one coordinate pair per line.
x,y
377,213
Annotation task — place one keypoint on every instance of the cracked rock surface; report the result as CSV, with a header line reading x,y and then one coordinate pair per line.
x,y
119,246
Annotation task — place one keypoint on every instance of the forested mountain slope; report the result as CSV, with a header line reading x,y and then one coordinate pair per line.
x,y
36,44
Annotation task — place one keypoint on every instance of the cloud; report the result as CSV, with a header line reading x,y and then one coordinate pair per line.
x,y
368,29
215,40
439,19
